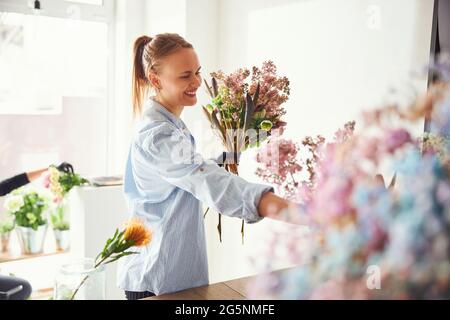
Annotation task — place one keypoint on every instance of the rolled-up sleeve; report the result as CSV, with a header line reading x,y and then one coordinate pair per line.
x,y
166,150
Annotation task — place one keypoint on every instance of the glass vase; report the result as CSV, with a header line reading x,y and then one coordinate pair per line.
x,y
79,280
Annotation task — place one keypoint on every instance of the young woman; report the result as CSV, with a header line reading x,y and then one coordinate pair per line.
x,y
166,181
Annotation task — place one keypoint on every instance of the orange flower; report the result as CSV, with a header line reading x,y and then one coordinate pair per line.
x,y
137,232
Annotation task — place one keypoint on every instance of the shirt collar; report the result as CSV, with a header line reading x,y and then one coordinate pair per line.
x,y
155,106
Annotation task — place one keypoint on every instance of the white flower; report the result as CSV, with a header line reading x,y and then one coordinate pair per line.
x,y
31,217
13,203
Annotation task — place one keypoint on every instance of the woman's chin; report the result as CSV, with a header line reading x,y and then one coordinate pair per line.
x,y
190,102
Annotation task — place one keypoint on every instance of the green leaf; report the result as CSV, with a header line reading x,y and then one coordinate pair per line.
x,y
209,107
217,101
107,245
123,254
112,248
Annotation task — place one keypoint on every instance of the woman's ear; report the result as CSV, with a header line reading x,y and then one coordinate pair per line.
x,y
154,80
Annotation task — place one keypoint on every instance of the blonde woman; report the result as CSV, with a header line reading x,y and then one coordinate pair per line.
x,y
166,180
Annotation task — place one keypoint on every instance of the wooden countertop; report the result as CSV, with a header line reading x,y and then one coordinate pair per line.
x,y
227,290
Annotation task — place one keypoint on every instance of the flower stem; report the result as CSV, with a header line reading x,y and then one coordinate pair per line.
x,y
293,180
86,277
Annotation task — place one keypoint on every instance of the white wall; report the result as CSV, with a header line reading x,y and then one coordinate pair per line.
x,y
341,56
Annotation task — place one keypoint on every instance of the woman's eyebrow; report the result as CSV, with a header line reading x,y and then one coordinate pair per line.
x,y
191,71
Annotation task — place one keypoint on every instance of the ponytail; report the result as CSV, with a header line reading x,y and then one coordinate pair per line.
x,y
140,81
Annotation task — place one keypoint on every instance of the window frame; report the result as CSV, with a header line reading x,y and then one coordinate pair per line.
x,y
60,9
105,13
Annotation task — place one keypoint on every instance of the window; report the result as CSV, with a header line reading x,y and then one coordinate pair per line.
x,y
94,2
53,85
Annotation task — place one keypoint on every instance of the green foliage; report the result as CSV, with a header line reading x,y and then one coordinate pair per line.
x,y
6,226
115,248
31,214
70,180
58,219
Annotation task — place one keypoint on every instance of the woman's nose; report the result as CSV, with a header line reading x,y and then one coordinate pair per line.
x,y
198,80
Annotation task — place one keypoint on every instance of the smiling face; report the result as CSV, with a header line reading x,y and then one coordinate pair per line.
x,y
178,79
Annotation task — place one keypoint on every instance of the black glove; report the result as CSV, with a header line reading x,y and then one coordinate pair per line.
x,y
65,167
228,158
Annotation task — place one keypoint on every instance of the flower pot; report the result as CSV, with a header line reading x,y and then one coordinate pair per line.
x,y
5,242
31,241
81,277
62,238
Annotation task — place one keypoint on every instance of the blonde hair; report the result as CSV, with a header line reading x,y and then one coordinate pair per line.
x,y
148,53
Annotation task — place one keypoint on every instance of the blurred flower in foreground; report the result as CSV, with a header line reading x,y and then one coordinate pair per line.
x,y
375,242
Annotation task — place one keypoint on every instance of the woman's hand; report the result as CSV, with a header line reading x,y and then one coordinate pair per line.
x,y
228,158
65,167
275,207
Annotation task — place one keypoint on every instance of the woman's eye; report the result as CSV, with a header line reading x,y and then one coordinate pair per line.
x,y
187,77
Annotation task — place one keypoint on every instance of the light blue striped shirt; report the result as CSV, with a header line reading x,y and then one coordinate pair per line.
x,y
165,184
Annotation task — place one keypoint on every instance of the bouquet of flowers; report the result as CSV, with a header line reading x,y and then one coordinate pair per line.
x,y
244,113
60,183
374,241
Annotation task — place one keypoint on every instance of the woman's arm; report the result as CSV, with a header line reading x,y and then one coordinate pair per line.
x,y
8,185
33,175
18,181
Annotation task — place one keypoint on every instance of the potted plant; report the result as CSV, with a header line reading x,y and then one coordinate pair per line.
x,y
29,207
6,227
61,227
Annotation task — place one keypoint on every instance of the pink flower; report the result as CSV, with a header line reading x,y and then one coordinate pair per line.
x,y
443,192
46,179
395,139
329,290
369,148
334,199
344,134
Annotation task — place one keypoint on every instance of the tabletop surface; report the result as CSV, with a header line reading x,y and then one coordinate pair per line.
x,y
227,290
